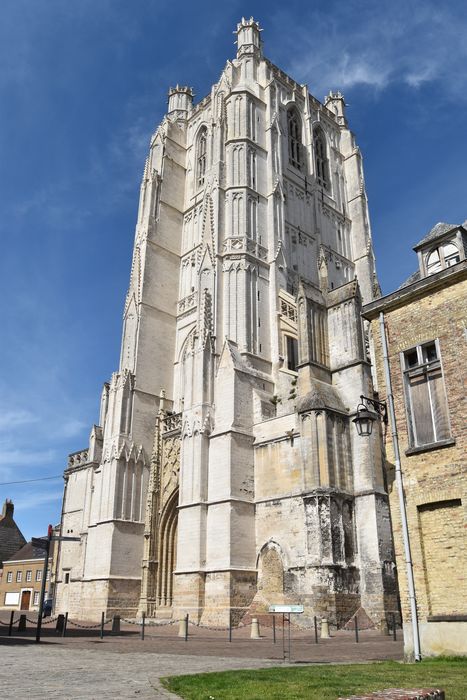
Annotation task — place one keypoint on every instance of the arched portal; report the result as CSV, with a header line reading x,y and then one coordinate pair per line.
x,y
271,573
167,551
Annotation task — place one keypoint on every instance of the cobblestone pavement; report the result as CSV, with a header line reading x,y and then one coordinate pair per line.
x,y
82,666
30,672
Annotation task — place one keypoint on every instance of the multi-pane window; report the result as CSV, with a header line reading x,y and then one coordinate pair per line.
x,y
38,575
441,257
201,156
19,576
36,598
427,412
321,161
9,577
47,577
295,138
28,575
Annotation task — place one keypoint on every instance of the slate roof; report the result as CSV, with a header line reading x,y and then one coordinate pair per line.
x,y
30,552
414,277
438,230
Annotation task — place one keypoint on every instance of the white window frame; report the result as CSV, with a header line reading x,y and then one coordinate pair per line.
x,y
409,408
19,576
9,577
28,576
440,249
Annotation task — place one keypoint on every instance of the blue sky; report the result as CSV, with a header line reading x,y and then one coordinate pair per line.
x,y
83,85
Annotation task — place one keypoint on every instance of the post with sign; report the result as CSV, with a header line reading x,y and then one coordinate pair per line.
x,y
286,611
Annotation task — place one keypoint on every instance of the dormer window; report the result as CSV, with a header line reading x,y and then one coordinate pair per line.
x,y
442,257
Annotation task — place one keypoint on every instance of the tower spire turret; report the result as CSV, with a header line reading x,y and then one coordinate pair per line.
x,y
249,41
180,100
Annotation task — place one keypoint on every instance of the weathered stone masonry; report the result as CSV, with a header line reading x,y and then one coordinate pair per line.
x,y
242,482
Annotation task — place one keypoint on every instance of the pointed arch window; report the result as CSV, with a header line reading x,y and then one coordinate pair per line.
x,y
201,156
295,138
321,161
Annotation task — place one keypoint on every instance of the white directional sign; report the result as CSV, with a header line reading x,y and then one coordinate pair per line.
x,y
286,608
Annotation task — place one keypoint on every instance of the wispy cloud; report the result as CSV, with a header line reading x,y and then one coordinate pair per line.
x,y
33,499
353,44
10,458
10,419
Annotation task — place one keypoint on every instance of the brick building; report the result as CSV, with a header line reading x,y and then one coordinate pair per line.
x,y
20,586
426,328
11,537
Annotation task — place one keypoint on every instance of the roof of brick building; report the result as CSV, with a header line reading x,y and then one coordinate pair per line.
x,y
11,537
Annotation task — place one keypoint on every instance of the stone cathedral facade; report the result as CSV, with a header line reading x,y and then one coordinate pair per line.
x,y
225,473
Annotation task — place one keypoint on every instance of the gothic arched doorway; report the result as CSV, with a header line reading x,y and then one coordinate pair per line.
x,y
271,574
167,551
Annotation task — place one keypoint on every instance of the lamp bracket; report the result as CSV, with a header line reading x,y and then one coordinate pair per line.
x,y
380,407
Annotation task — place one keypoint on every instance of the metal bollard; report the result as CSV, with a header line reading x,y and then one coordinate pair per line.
x,y
316,629
255,629
325,629
102,625
59,624
230,626
273,629
22,623
394,631
385,627
356,629
115,625
143,621
65,622
10,627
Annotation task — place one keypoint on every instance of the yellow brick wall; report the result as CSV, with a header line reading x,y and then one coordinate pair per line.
x,y
438,475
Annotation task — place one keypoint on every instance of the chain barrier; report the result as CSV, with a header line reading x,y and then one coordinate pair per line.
x,y
89,627
31,622
49,622
219,629
147,622
6,624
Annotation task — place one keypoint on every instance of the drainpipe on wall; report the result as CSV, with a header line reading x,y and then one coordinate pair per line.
x,y
400,488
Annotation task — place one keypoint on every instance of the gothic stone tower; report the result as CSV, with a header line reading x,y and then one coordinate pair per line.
x,y
242,483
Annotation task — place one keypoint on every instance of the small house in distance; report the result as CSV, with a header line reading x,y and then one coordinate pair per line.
x,y
11,537
20,586
426,328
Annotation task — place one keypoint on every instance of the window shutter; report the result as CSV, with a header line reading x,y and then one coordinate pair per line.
x,y
421,411
438,401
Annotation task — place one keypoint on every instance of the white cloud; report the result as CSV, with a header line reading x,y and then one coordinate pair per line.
x,y
355,43
10,419
16,457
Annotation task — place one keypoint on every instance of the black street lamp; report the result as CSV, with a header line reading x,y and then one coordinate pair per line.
x,y
365,417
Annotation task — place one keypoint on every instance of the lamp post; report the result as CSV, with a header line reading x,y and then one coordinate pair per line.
x,y
364,423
